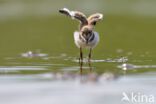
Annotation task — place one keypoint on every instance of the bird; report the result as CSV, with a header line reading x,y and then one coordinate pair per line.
x,y
85,36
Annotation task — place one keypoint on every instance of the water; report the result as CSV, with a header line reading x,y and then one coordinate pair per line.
x,y
39,60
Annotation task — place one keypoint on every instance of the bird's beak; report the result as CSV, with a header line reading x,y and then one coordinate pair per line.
x,y
86,38
86,41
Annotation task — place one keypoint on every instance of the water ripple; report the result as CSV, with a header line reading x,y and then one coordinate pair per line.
x,y
118,60
31,54
131,66
19,68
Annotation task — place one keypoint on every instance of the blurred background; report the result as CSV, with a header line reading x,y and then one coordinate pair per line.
x,y
36,24
38,54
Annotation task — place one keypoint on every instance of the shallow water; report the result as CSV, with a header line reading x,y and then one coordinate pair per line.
x,y
47,82
39,60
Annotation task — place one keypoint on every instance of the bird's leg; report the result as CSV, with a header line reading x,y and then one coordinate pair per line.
x,y
81,56
89,58
81,68
81,60
90,54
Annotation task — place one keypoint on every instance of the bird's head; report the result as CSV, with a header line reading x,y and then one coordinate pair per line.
x,y
86,32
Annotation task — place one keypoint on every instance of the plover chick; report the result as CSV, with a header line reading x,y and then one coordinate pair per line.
x,y
85,37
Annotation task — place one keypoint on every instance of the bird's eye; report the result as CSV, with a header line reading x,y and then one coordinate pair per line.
x,y
84,33
89,32
94,23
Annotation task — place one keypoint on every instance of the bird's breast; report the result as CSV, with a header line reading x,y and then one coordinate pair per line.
x,y
84,42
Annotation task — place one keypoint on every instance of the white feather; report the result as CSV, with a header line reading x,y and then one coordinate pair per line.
x,y
79,43
66,9
72,14
101,16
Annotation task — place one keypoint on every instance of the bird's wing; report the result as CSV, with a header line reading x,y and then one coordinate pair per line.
x,y
76,35
80,16
74,15
92,19
65,11
76,38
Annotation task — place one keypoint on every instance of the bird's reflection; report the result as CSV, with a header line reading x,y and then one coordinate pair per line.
x,y
81,63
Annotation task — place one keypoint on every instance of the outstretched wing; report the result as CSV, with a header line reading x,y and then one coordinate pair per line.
x,y
80,16
76,38
94,18
74,15
66,12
